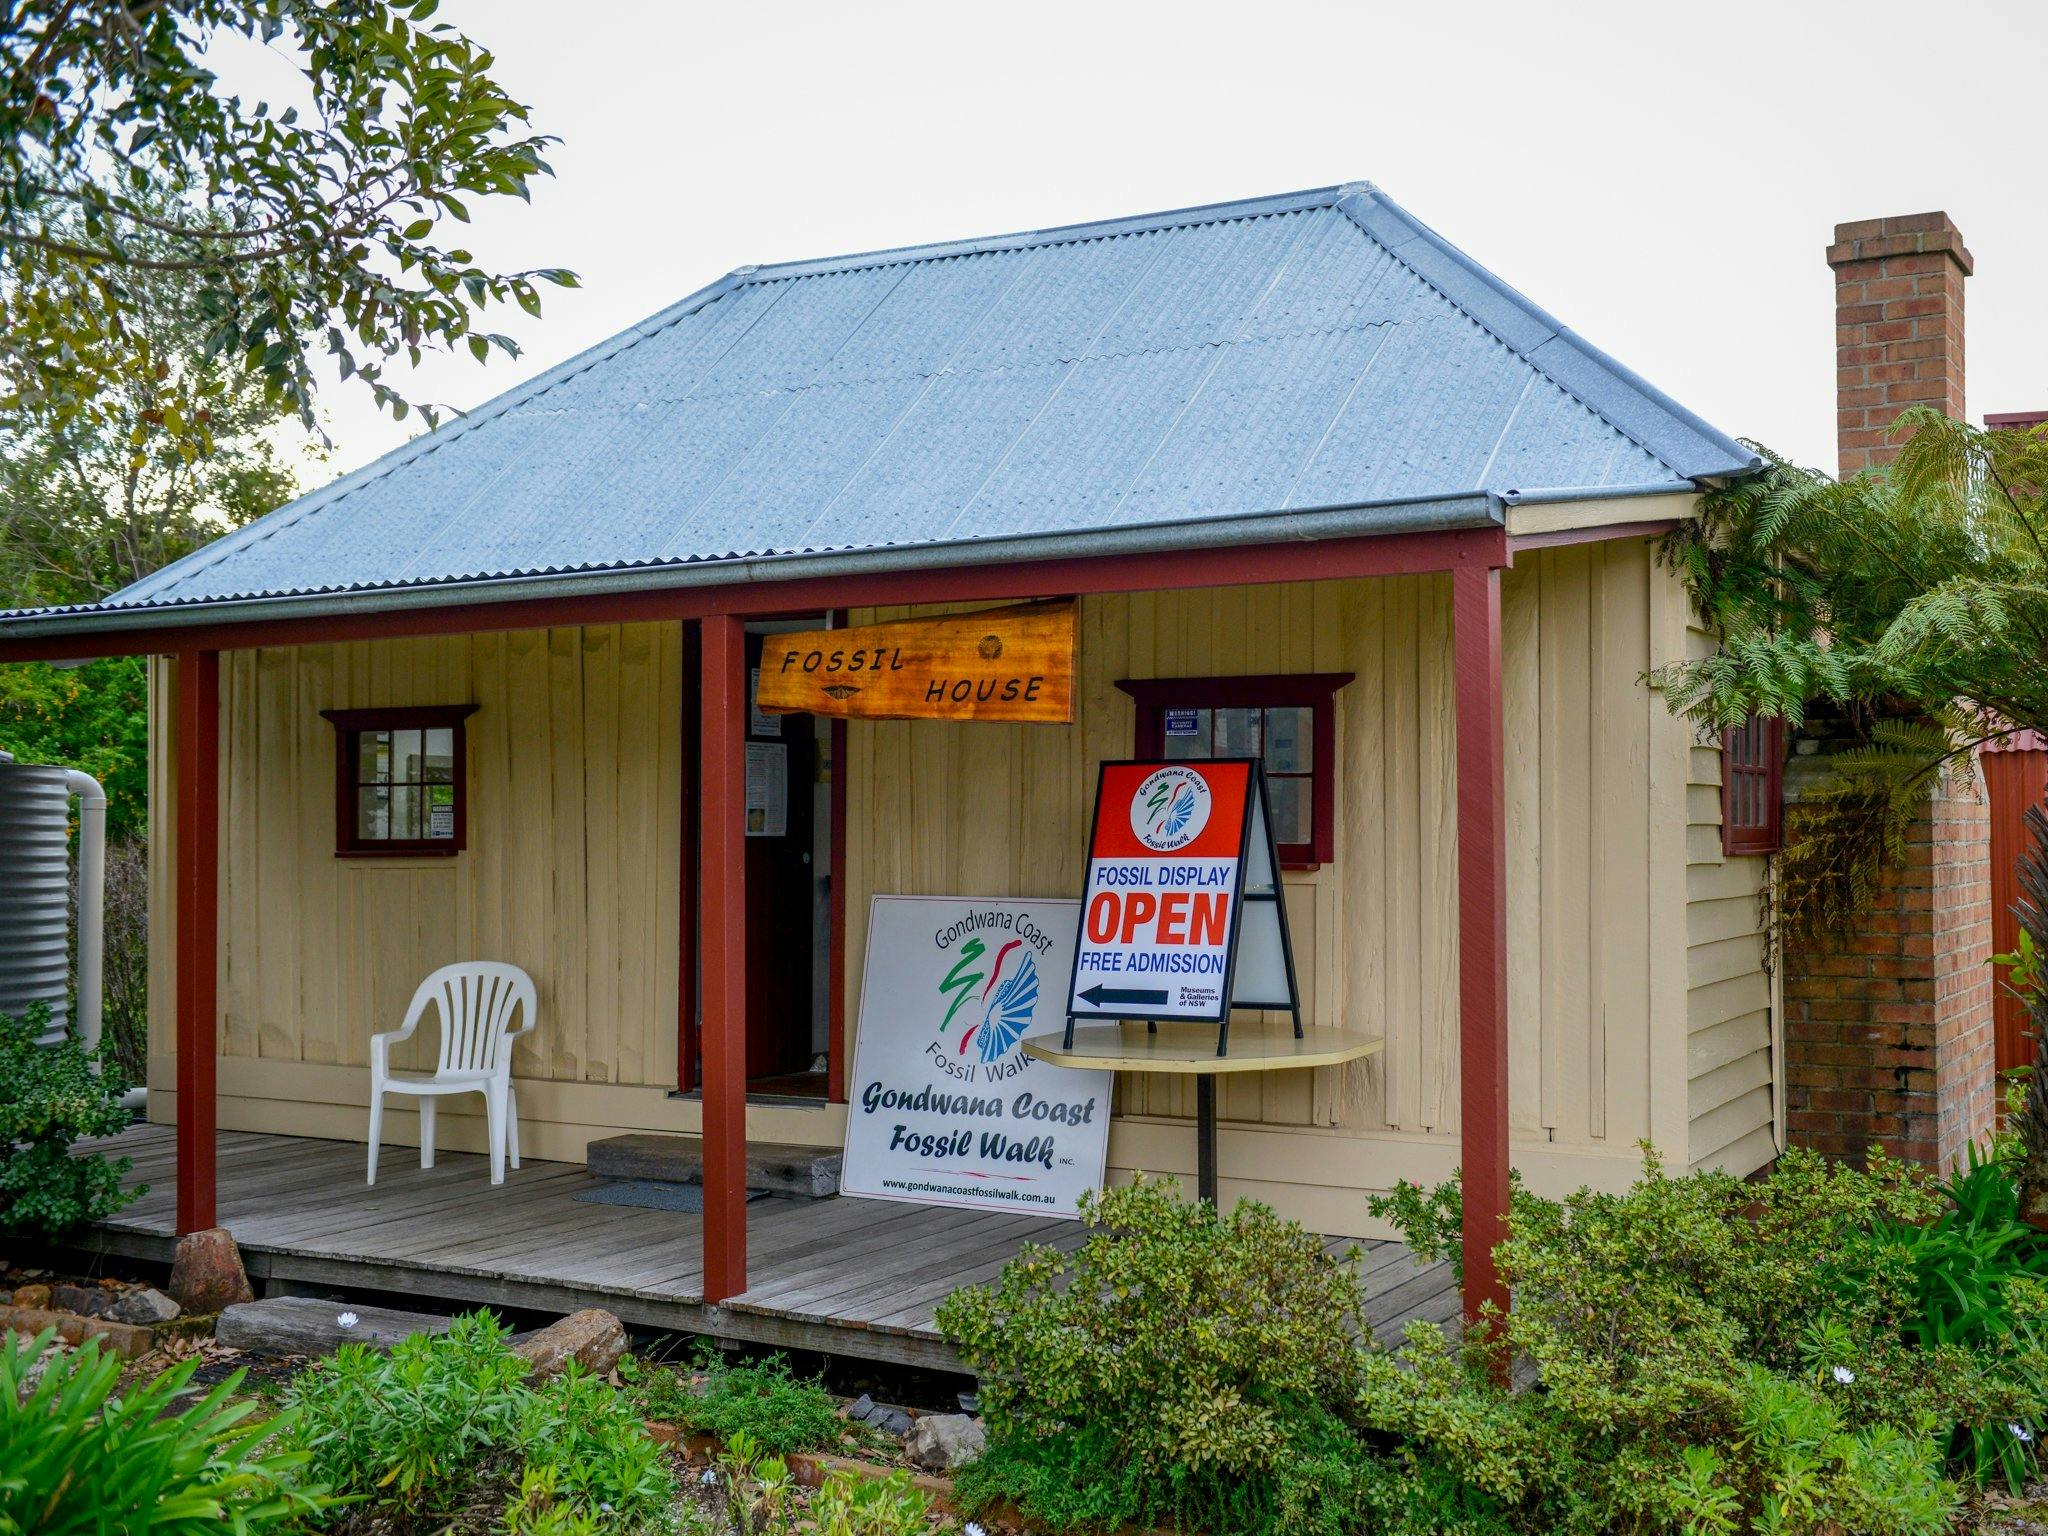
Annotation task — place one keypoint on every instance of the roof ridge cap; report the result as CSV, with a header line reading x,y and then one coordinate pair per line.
x,y
1267,206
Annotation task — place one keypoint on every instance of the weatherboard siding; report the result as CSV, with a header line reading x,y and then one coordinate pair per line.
x,y
1733,1014
1622,942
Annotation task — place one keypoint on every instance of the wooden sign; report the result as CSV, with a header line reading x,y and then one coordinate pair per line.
x,y
999,664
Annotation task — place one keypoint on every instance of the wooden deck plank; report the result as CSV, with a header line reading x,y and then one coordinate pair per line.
x,y
875,1305
782,1243
392,1212
832,1266
430,1232
916,1308
843,1276
671,1269
848,1290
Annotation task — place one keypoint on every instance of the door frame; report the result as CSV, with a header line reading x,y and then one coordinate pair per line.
x,y
688,1014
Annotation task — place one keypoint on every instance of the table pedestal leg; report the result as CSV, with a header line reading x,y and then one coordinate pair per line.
x,y
1205,1137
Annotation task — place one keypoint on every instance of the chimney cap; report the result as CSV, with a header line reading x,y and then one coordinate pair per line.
x,y
1901,234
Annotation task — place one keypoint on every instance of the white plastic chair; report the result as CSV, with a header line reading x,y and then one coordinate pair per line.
x,y
476,1000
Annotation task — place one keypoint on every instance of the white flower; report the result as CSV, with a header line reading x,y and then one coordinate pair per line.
x,y
2021,1433
1844,1375
605,1507
710,1476
972,1529
347,1320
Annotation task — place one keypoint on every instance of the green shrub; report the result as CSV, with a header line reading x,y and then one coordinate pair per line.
x,y
777,1410
1182,1365
50,1096
1719,1355
445,1425
751,1493
75,1455
1979,1277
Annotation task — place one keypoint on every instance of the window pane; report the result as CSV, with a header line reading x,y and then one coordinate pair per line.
x,y
373,813
1288,738
406,766
1186,732
1292,808
440,755
405,810
373,756
441,810
1237,733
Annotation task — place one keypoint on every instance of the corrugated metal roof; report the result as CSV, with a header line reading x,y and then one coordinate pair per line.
x,y
1313,351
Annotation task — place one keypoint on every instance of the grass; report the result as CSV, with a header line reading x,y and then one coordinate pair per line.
x,y
764,1399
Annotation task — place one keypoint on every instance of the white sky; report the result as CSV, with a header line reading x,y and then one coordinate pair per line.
x,y
1662,177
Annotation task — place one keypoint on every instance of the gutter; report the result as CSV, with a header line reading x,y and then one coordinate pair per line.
x,y
1441,514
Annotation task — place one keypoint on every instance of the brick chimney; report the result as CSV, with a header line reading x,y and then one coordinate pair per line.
x,y
1889,1033
1898,327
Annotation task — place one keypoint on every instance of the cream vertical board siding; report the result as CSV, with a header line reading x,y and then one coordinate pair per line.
x,y
1733,1049
1596,865
574,820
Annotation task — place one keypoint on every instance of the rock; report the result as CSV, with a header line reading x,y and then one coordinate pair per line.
x,y
30,1296
207,1273
307,1325
123,1339
35,1372
944,1442
891,1422
145,1306
859,1409
85,1300
594,1339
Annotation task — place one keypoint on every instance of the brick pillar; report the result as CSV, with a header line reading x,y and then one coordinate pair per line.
x,y
1898,328
1889,1038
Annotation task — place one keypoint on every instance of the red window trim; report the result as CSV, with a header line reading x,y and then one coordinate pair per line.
x,y
1270,690
1753,756
348,723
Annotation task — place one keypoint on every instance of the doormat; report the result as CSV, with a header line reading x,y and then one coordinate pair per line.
x,y
653,1195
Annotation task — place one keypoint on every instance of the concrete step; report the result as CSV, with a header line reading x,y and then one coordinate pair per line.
x,y
811,1172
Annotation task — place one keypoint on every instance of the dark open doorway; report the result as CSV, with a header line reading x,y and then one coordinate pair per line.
x,y
789,921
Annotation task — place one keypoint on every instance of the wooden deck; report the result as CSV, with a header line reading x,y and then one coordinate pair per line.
x,y
843,1276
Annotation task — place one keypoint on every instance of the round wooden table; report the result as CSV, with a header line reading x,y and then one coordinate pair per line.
x,y
1191,1048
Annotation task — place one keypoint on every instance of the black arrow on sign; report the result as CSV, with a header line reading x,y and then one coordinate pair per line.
x,y
1098,994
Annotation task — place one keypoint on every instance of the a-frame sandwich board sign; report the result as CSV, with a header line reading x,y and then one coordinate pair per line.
x,y
1182,915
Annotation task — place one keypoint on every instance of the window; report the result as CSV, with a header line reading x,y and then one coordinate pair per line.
x,y
1752,786
1287,722
399,780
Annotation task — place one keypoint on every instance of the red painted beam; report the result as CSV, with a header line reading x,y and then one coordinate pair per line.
x,y
1393,554
722,929
197,882
1482,931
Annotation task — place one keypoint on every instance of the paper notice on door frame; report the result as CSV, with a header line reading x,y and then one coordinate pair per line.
x,y
767,789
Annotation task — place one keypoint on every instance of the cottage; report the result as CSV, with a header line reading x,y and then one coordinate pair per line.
x,y
1324,490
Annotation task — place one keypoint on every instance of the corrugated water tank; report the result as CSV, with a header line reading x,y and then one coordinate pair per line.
x,y
35,892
